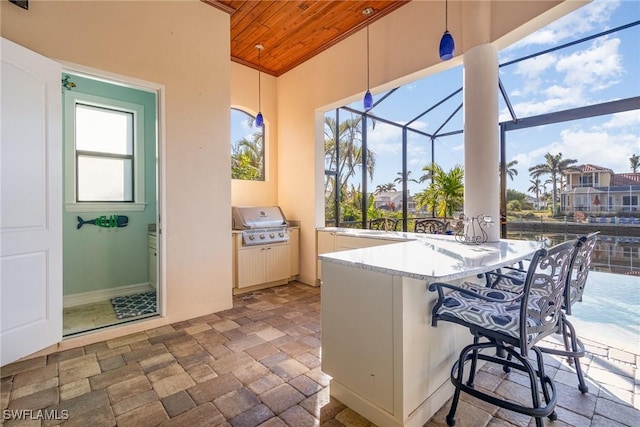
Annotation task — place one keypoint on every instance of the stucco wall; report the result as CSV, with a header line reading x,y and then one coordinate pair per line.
x,y
183,45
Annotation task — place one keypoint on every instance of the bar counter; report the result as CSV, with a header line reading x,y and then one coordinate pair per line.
x,y
386,361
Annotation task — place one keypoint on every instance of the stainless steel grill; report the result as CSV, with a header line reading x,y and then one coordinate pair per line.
x,y
260,224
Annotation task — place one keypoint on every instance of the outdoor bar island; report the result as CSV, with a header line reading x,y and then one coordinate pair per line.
x,y
386,360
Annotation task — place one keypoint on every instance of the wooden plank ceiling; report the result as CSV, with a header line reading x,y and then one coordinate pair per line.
x,y
293,31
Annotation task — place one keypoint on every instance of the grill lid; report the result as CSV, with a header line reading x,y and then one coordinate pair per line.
x,y
249,217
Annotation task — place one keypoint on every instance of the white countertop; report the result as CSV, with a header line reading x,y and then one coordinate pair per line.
x,y
428,256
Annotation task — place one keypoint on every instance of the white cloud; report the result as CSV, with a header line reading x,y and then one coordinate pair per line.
x,y
531,71
384,139
593,16
534,66
595,66
621,120
534,108
587,147
562,82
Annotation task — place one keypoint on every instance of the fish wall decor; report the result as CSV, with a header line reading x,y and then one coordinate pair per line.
x,y
111,221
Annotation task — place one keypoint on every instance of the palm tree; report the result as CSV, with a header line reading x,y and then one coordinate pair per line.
x,y
535,189
420,180
398,179
349,139
247,158
555,166
510,170
445,194
384,188
635,162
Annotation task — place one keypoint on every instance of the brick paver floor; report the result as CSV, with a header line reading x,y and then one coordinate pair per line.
x,y
258,364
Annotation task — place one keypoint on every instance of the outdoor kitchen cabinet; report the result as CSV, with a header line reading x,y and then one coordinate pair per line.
x,y
263,264
260,266
334,241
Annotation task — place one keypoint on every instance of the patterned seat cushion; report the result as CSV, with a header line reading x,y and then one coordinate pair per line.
x,y
502,317
513,282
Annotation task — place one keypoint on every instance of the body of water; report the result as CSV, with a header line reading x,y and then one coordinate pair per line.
x,y
610,311
613,254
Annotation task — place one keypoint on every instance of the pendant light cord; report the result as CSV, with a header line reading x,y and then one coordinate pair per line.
x,y
446,15
259,81
367,57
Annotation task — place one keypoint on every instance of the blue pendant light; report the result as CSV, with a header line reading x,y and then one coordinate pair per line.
x,y
447,45
368,98
368,101
259,119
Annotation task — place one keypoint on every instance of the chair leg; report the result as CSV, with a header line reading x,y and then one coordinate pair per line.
x,y
474,363
457,371
565,338
544,381
505,368
537,378
574,350
575,347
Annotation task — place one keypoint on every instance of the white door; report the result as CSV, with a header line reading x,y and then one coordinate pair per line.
x,y
30,203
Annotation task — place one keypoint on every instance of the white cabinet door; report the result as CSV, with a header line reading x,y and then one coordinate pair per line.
x,y
325,243
251,267
277,262
344,243
263,264
31,203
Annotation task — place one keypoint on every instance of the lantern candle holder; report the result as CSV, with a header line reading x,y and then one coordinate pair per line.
x,y
473,231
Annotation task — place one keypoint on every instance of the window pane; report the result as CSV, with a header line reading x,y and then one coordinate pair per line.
x,y
104,130
104,179
384,147
247,147
349,169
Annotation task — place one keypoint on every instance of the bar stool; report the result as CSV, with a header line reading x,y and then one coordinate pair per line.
x,y
510,324
429,225
388,224
573,346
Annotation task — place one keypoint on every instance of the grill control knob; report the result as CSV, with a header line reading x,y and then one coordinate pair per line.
x,y
272,235
281,234
252,237
262,236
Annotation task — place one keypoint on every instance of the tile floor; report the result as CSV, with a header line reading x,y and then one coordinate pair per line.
x,y
88,316
258,364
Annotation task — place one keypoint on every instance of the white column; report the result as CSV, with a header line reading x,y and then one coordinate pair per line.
x,y
481,136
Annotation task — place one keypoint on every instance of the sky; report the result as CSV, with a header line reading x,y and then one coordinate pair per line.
x,y
592,72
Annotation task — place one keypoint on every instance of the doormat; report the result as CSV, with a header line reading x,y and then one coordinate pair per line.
x,y
134,305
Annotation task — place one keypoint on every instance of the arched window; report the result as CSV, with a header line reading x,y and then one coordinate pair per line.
x,y
247,147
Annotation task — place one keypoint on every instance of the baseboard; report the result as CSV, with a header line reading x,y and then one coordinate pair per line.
x,y
91,297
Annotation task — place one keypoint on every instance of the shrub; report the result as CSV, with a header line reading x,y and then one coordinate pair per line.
x,y
514,205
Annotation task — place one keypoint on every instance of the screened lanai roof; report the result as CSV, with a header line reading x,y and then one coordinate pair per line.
x,y
562,97
442,92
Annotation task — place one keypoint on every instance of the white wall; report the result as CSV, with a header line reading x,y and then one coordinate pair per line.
x,y
183,45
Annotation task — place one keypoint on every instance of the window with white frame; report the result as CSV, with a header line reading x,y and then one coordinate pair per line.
x,y
104,154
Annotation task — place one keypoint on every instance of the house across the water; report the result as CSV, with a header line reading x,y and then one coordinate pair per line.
x,y
595,189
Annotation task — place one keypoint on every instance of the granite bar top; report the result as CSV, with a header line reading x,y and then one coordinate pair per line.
x,y
429,257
